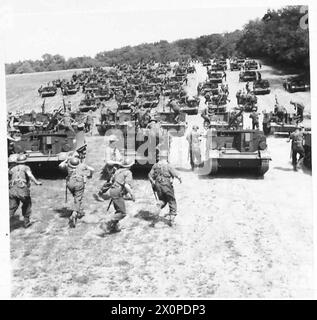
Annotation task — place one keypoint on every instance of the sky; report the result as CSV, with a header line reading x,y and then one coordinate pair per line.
x,y
81,27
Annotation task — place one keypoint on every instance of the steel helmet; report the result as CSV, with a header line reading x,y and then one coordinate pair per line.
x,y
73,162
21,158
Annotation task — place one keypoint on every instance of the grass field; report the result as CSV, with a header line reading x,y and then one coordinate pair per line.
x,y
235,235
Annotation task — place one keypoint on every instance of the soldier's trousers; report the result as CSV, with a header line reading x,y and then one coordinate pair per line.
x,y
255,125
115,194
165,193
17,196
295,152
195,156
77,189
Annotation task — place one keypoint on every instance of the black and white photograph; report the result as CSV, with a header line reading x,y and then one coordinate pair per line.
x,y
157,150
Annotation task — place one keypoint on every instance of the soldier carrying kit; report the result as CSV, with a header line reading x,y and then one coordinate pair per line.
x,y
119,188
75,183
161,176
19,188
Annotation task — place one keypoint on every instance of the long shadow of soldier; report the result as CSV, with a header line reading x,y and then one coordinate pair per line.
x,y
64,212
150,217
15,223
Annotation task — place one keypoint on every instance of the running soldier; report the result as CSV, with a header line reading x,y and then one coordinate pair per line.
x,y
19,189
75,183
161,176
119,190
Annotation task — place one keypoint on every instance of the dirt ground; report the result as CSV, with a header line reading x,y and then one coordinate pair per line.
x,y
236,236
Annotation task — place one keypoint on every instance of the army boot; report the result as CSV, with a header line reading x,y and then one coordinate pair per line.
x,y
72,220
170,218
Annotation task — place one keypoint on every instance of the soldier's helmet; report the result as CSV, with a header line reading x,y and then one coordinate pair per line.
x,y
21,158
73,162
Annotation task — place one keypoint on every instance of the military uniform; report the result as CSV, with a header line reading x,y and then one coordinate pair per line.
x,y
162,174
120,179
19,190
255,120
75,182
111,154
193,139
297,148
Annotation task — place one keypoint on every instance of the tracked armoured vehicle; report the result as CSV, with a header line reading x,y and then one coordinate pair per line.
x,y
45,147
237,149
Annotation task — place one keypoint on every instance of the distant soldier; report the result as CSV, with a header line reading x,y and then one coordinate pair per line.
x,y
299,107
67,122
297,147
280,111
255,119
224,76
19,189
161,176
207,97
247,87
259,75
69,106
176,109
89,122
193,139
75,183
119,189
238,95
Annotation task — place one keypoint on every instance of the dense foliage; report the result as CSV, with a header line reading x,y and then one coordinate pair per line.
x,y
278,36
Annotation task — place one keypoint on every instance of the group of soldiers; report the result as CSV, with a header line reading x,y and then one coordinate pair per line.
x,y
118,186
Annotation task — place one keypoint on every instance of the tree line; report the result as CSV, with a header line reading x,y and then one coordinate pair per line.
x,y
279,36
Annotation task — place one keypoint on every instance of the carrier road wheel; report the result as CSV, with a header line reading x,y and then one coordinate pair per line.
x,y
264,167
213,166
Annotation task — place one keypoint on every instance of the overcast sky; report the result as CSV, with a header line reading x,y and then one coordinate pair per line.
x,y
77,27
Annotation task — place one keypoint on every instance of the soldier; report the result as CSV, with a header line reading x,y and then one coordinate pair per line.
x,y
247,87
224,76
299,107
176,109
89,122
161,176
69,106
19,188
75,183
193,139
280,111
297,147
113,158
207,97
120,188
67,122
238,95
255,119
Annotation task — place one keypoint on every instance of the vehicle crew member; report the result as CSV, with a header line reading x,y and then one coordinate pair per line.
x,y
19,188
161,176
299,107
297,147
75,182
176,109
193,139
